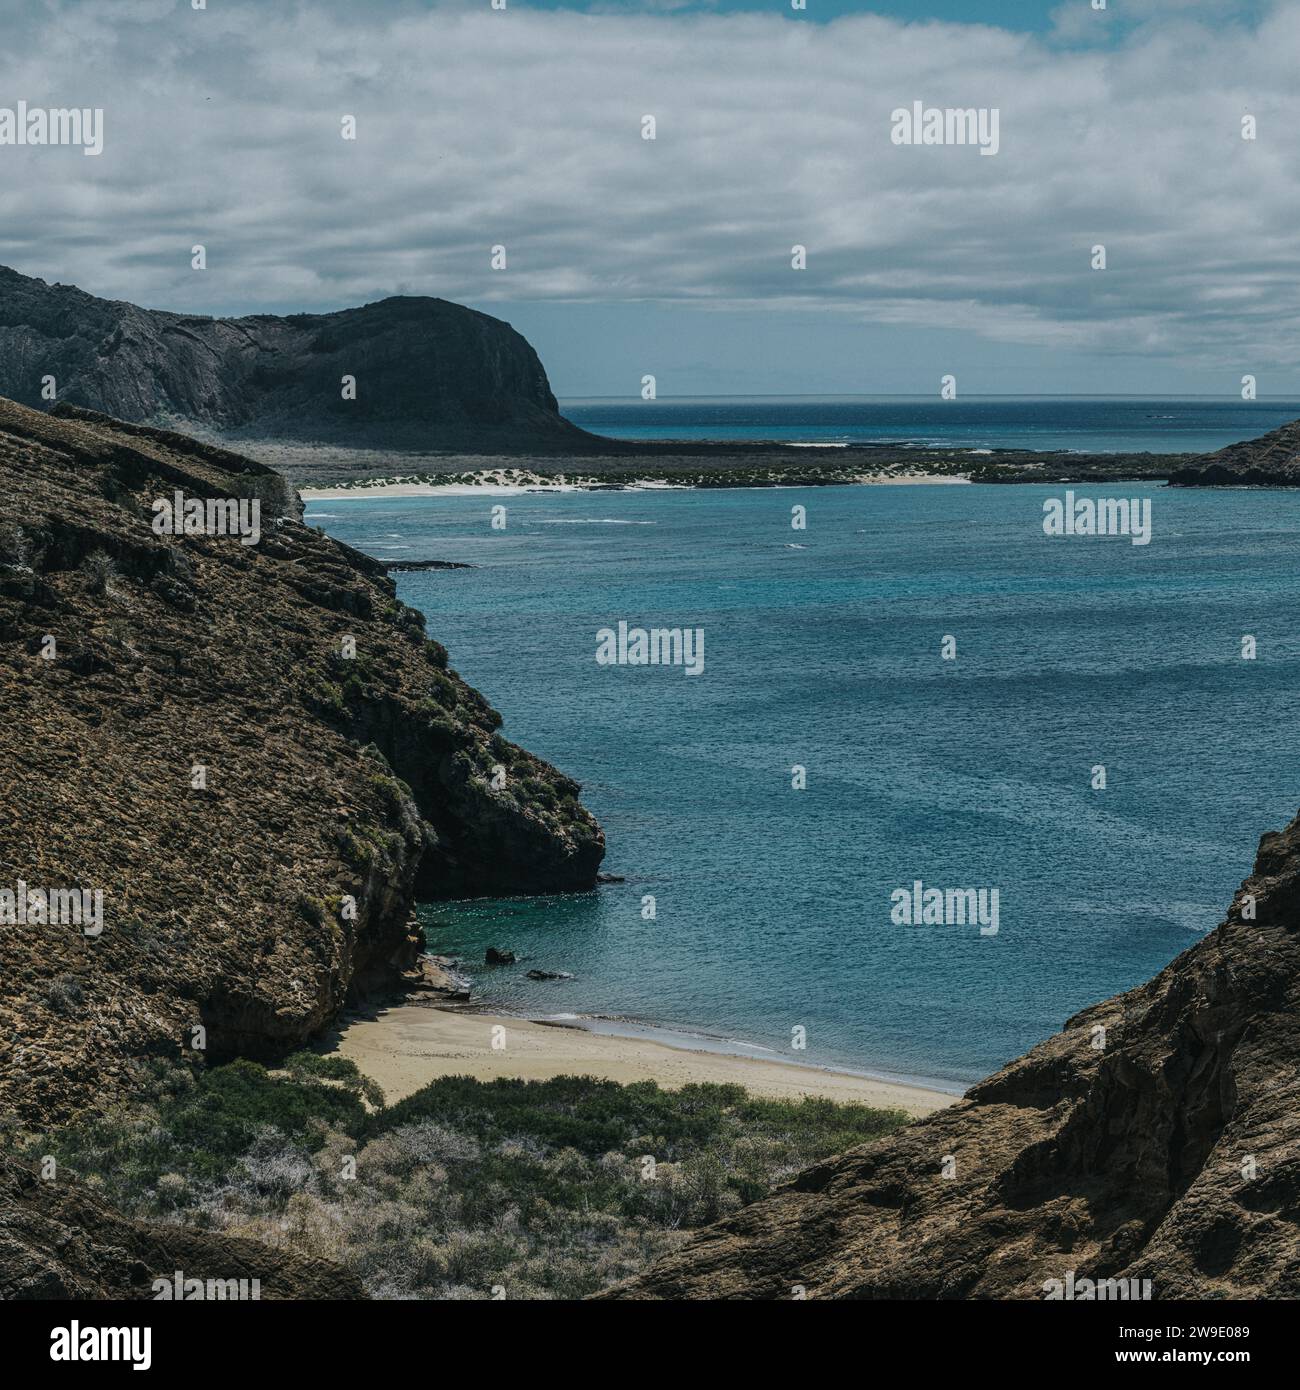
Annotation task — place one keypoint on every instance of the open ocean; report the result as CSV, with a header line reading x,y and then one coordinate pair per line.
x,y
1078,423
822,648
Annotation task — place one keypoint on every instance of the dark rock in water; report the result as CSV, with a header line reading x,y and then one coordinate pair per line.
x,y
58,1241
326,778
549,975
429,374
495,957
1272,460
402,566
1153,1139
610,878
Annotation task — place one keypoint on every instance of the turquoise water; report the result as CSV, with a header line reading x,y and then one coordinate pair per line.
x,y
773,905
1086,424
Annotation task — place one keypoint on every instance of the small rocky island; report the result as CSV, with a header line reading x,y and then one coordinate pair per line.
x,y
1272,460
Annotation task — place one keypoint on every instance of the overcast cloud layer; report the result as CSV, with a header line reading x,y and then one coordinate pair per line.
x,y
478,127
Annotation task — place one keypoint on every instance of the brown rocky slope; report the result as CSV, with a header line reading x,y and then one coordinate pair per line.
x,y
1165,1147
329,779
59,1241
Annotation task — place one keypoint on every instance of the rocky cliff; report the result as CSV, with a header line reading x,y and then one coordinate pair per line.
x,y
429,374
1157,1137
1272,460
252,751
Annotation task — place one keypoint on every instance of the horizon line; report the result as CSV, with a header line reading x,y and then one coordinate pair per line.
x,y
930,396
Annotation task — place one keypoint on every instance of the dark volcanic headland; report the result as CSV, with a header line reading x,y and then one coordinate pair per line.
x,y
1154,1139
427,373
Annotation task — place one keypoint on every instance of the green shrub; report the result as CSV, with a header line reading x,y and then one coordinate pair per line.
x,y
550,1189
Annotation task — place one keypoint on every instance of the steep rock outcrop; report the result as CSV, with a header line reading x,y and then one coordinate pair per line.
x,y
1157,1137
252,751
429,373
1272,460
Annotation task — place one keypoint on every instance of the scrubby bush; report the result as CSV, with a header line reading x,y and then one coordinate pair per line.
x,y
100,571
65,994
14,551
548,1189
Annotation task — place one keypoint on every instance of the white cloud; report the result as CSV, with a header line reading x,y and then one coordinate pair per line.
x,y
480,126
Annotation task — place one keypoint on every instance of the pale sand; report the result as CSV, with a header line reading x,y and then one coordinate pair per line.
x,y
347,494
409,1045
503,489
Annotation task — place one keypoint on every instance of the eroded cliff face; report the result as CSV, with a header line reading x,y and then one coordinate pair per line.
x,y
428,374
1156,1137
252,751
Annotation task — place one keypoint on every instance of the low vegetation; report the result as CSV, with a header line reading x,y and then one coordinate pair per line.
x,y
464,1190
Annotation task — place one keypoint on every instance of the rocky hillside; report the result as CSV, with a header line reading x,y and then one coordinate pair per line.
x,y
252,751
1157,1137
57,1240
1272,460
429,374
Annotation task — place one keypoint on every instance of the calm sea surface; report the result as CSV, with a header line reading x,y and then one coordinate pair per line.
x,y
1078,423
822,649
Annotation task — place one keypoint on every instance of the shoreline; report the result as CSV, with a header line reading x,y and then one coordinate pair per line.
x,y
404,1046
616,465
392,488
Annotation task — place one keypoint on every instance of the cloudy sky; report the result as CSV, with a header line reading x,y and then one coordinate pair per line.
x,y
523,127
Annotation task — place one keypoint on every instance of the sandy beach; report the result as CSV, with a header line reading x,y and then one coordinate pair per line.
x,y
409,1045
